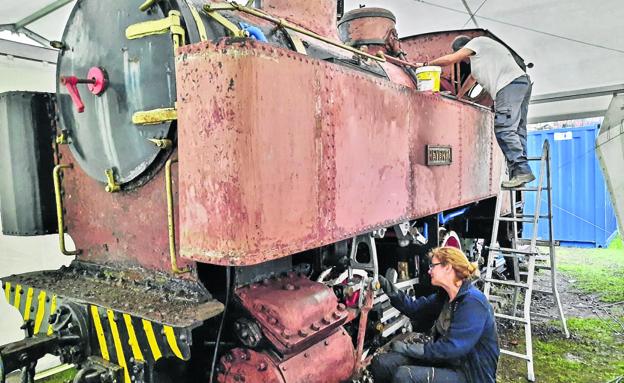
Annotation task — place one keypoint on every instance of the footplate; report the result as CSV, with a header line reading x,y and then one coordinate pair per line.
x,y
136,316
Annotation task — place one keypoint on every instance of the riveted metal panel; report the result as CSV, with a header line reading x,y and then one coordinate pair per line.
x,y
268,168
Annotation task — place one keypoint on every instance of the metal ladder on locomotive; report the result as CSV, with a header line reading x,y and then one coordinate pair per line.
x,y
532,255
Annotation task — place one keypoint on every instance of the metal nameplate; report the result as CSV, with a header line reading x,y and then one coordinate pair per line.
x,y
439,155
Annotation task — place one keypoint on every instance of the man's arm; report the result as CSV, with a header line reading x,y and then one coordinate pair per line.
x,y
452,58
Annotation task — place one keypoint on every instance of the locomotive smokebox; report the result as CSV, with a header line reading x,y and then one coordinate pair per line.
x,y
318,16
372,27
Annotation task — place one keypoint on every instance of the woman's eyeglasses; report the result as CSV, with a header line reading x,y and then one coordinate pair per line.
x,y
432,265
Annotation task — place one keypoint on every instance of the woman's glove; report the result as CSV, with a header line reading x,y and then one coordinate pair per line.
x,y
388,287
416,350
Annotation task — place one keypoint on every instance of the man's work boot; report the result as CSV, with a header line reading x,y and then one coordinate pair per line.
x,y
518,180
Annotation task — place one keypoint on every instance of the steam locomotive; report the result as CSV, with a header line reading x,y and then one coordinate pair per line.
x,y
235,178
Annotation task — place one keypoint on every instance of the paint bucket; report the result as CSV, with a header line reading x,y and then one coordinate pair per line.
x,y
428,78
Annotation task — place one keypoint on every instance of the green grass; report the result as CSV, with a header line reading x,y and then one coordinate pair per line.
x,y
617,243
62,377
595,351
595,271
594,354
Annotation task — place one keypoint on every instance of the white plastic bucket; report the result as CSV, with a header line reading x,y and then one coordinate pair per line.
x,y
428,78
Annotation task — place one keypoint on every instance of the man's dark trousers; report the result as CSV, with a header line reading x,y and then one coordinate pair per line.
x,y
511,107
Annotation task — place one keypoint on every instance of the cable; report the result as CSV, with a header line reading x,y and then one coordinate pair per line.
x,y
474,14
523,27
227,301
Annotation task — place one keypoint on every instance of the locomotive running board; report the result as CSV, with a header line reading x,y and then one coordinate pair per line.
x,y
135,313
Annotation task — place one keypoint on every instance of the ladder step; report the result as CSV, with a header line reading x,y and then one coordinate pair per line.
x,y
507,283
534,158
508,250
527,189
515,354
542,291
544,315
510,317
538,242
511,219
543,216
542,267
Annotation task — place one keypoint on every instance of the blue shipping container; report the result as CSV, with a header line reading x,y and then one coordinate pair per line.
x,y
582,210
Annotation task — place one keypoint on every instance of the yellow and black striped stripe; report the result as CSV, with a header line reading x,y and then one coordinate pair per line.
x,y
122,336
33,304
119,336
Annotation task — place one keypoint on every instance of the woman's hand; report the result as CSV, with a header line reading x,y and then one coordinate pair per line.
x,y
388,287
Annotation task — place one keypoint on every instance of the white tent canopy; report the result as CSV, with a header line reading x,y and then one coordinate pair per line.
x,y
577,46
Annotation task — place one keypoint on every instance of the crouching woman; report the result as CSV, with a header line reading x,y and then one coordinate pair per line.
x,y
464,347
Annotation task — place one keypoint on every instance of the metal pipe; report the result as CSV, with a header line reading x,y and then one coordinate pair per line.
x,y
170,220
445,218
366,308
59,208
285,24
396,61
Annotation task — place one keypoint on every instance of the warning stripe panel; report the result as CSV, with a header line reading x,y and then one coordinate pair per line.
x,y
18,296
99,332
119,349
41,310
137,354
120,337
28,306
33,304
140,339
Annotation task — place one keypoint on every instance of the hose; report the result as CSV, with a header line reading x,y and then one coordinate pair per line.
x,y
227,301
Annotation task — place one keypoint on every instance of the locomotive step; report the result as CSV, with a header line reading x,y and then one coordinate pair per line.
x,y
511,219
511,317
515,354
528,189
509,250
507,283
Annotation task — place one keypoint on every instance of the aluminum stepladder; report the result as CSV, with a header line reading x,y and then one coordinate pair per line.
x,y
532,254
